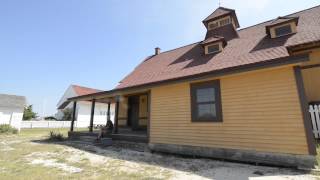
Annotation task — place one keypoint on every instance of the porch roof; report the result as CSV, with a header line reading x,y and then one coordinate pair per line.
x,y
109,96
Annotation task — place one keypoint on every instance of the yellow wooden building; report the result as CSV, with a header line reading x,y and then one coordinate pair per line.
x,y
238,94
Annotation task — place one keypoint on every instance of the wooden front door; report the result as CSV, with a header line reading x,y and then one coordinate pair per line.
x,y
133,112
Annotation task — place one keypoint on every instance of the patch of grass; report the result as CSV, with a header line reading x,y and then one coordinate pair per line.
x,y
7,129
56,136
38,132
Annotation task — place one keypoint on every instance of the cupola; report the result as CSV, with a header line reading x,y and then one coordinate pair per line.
x,y
282,26
221,17
221,27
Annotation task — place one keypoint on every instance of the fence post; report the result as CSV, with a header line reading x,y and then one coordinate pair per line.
x,y
317,115
314,123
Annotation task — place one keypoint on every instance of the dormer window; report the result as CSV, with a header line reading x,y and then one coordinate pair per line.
x,y
283,30
213,44
213,48
282,26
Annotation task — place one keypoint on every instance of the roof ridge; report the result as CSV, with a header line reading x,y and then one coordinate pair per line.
x,y
278,17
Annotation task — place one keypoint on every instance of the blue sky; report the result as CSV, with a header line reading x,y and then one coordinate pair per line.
x,y
46,45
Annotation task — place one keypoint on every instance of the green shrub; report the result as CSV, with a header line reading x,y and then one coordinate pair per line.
x,y
50,118
55,136
7,129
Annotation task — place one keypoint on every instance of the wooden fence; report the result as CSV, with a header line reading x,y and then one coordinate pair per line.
x,y
52,124
315,118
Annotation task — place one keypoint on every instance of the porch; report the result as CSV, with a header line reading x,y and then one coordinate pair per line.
x,y
131,119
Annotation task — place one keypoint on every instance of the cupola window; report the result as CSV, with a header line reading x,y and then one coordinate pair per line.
x,y
218,23
213,25
225,21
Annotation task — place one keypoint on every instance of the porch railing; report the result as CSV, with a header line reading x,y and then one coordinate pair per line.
x,y
315,118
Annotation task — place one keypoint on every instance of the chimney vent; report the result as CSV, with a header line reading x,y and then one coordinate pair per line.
x,y
157,51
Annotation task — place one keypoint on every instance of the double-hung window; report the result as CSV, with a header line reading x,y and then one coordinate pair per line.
x,y
206,102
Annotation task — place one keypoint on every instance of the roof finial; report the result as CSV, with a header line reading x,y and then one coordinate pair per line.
x,y
219,3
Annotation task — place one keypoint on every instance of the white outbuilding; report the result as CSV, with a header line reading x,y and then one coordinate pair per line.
x,y
83,108
11,109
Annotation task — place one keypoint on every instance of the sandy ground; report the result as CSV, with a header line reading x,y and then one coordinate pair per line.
x,y
77,160
161,166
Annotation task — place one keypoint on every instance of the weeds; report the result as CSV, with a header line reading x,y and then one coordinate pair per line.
x,y
7,129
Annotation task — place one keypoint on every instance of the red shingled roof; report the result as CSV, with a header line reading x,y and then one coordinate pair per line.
x,y
212,39
221,11
80,90
252,46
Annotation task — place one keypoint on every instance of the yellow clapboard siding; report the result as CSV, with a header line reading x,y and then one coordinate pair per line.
x,y
261,111
310,76
312,83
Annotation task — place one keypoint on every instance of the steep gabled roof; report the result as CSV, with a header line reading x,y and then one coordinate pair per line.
x,y
12,101
73,91
251,47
